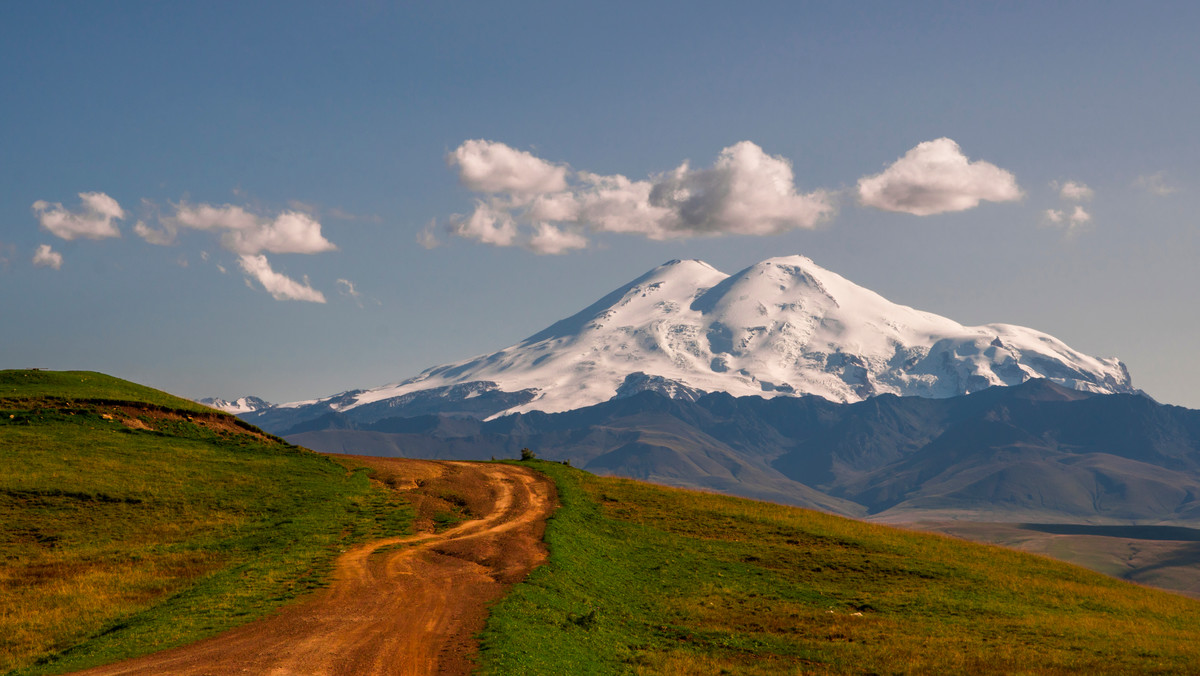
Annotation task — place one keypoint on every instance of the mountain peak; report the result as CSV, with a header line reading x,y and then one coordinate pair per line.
x,y
782,326
237,406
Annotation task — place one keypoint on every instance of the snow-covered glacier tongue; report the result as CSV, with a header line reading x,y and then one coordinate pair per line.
x,y
782,327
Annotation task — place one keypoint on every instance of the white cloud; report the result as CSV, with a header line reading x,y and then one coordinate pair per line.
x,y
45,257
249,235
1155,184
548,239
281,287
936,177
93,221
488,224
746,192
1073,191
487,166
245,233
162,237
1073,221
617,204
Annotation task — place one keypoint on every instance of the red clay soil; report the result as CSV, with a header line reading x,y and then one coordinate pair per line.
x,y
407,605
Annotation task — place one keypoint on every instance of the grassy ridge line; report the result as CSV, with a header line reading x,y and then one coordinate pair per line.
x,y
85,386
37,389
135,530
645,579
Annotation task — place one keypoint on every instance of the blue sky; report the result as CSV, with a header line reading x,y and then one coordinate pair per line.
x,y
269,150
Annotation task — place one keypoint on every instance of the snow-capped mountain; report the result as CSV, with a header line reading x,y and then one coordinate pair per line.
x,y
784,326
238,406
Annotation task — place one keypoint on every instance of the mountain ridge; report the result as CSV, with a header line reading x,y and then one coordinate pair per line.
x,y
781,327
1030,452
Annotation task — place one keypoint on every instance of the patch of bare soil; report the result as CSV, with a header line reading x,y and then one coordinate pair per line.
x,y
146,417
408,605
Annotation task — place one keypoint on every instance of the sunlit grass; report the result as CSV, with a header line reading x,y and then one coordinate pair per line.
x,y
685,582
87,386
128,530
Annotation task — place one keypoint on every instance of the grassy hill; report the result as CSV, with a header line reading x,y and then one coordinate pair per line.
x,y
652,580
135,520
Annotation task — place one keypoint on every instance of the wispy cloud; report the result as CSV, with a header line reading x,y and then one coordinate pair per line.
x,y
152,235
427,237
280,286
347,288
46,257
1072,217
93,220
549,208
1073,191
7,252
936,177
1155,184
1073,220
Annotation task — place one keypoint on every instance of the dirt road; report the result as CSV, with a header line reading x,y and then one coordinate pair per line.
x,y
397,606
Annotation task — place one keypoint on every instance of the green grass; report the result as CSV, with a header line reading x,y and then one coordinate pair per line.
x,y
135,521
87,387
137,526
645,579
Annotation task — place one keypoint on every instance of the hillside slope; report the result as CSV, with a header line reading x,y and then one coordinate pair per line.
x,y
134,520
651,580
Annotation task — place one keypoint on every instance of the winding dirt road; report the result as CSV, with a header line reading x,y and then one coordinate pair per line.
x,y
408,605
